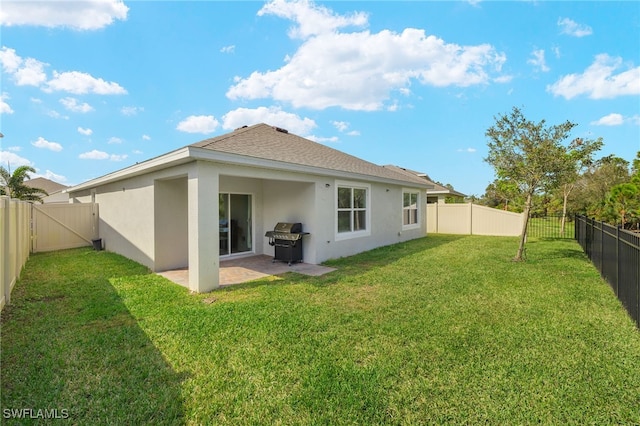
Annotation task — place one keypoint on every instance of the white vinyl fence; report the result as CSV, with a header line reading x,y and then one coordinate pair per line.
x,y
63,226
28,228
472,219
14,243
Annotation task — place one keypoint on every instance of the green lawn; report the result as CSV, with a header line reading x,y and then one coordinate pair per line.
x,y
444,329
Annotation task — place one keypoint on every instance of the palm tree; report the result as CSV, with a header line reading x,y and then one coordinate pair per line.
x,y
13,184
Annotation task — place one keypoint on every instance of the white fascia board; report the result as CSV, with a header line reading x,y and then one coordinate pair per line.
x,y
179,156
243,160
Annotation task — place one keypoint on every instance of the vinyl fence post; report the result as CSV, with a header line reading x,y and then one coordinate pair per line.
x,y
6,269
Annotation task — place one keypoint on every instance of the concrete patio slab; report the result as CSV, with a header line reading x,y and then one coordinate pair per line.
x,y
240,270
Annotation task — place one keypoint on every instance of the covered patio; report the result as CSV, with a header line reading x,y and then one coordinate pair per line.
x,y
243,269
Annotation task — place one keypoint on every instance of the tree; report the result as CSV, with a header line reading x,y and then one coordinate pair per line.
x,y
592,189
624,199
576,159
502,194
529,155
13,184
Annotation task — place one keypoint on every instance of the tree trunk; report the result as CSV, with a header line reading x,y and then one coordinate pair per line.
x,y
564,212
523,236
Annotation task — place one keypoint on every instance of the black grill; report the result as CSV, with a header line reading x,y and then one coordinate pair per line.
x,y
287,240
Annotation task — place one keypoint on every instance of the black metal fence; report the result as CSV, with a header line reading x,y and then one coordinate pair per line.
x,y
550,226
616,254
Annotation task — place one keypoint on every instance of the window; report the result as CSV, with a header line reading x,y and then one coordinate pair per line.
x,y
410,201
353,209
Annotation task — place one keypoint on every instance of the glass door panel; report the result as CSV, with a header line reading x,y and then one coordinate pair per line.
x,y
235,224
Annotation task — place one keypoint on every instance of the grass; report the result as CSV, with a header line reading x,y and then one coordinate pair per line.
x,y
444,329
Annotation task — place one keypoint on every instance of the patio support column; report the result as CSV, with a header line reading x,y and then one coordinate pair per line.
x,y
204,247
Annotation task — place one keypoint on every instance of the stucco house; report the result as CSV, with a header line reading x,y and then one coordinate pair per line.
x,y
436,193
216,198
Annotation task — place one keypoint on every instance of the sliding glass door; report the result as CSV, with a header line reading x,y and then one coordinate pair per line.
x,y
235,224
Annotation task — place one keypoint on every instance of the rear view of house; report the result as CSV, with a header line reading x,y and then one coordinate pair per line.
x,y
216,199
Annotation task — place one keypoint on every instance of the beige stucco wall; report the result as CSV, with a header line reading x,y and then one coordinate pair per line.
x,y
153,218
127,214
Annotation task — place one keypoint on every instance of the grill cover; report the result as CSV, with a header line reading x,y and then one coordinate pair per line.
x,y
289,228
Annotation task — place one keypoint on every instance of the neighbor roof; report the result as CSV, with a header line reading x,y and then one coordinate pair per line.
x,y
436,188
48,185
272,143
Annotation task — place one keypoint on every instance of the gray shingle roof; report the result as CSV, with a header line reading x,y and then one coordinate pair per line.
x,y
48,185
271,143
437,188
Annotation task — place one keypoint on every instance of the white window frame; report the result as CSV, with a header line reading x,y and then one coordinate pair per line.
x,y
404,209
353,234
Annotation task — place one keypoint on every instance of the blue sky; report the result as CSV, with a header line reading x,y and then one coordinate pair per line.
x,y
90,87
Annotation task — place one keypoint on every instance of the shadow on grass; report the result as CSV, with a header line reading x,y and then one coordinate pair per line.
x,y
571,249
70,346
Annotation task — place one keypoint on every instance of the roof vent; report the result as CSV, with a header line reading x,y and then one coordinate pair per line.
x,y
280,129
240,128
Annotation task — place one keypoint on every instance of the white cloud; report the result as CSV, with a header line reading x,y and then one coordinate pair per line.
x,y
340,125
538,60
45,144
86,132
198,124
5,108
52,176
359,70
101,155
615,119
80,83
25,72
79,15
10,60
572,28
14,148
72,105
114,140
470,150
311,19
14,160
55,114
228,49
94,155
146,137
116,157
131,110
598,81
343,126
273,116
30,72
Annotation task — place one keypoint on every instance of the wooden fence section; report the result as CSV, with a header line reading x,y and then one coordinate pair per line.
x,y
28,228
63,226
472,219
15,218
